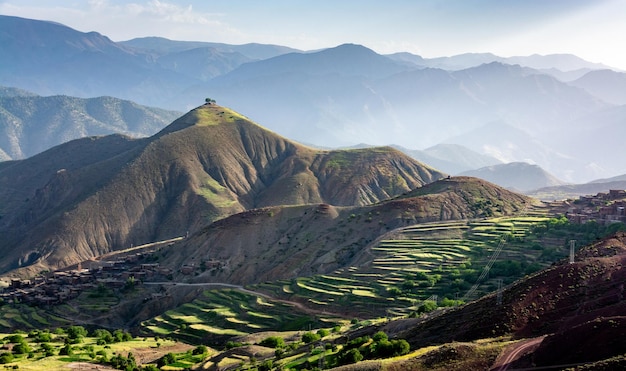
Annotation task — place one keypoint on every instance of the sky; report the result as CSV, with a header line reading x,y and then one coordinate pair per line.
x,y
592,29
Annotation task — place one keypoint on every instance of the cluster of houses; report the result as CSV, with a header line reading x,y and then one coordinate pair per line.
x,y
604,208
60,286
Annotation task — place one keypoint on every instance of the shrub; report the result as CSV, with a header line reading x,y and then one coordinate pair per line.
x,y
349,357
323,332
76,333
66,350
6,358
167,359
21,348
273,342
43,337
266,365
427,306
200,349
309,337
15,338
47,349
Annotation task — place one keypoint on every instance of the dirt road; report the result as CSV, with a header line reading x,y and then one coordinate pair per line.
x,y
515,351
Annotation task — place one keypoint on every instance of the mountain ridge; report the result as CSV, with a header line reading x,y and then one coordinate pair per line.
x,y
210,163
30,124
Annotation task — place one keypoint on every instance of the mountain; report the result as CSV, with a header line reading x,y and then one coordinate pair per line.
x,y
343,60
562,63
163,46
318,239
202,63
93,195
348,95
617,178
30,124
203,60
510,144
519,176
607,85
49,58
6,91
333,97
450,158
604,126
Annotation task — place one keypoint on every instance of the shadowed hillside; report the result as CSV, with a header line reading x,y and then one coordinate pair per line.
x,y
94,195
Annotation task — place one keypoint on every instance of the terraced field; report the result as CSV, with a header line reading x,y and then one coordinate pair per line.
x,y
434,260
226,313
23,316
444,261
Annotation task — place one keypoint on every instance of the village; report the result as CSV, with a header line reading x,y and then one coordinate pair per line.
x,y
603,208
122,272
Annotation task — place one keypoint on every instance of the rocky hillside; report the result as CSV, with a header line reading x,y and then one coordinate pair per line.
x,y
282,242
30,124
94,195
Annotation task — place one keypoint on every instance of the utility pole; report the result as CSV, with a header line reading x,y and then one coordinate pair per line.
x,y
499,293
572,246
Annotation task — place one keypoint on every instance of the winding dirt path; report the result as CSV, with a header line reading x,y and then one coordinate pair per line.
x,y
514,352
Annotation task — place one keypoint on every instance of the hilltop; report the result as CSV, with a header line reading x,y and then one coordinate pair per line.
x,y
93,195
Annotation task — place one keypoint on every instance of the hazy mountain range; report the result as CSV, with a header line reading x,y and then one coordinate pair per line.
x,y
345,95
31,124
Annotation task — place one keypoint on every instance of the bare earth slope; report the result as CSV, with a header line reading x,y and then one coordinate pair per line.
x,y
91,196
281,242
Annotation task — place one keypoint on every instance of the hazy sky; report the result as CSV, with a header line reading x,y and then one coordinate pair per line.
x,y
592,29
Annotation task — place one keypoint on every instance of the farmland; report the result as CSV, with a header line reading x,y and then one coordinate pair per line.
x,y
440,262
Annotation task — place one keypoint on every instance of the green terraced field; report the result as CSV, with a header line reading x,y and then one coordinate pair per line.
x,y
230,313
441,259
420,262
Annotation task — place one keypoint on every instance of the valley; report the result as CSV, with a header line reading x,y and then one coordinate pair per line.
x,y
340,208
393,286
239,237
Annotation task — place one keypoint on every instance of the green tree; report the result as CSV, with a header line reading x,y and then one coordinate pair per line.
x,y
309,337
379,336
76,333
6,358
200,349
426,307
349,357
21,348
47,349
167,359
273,342
66,350
323,332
